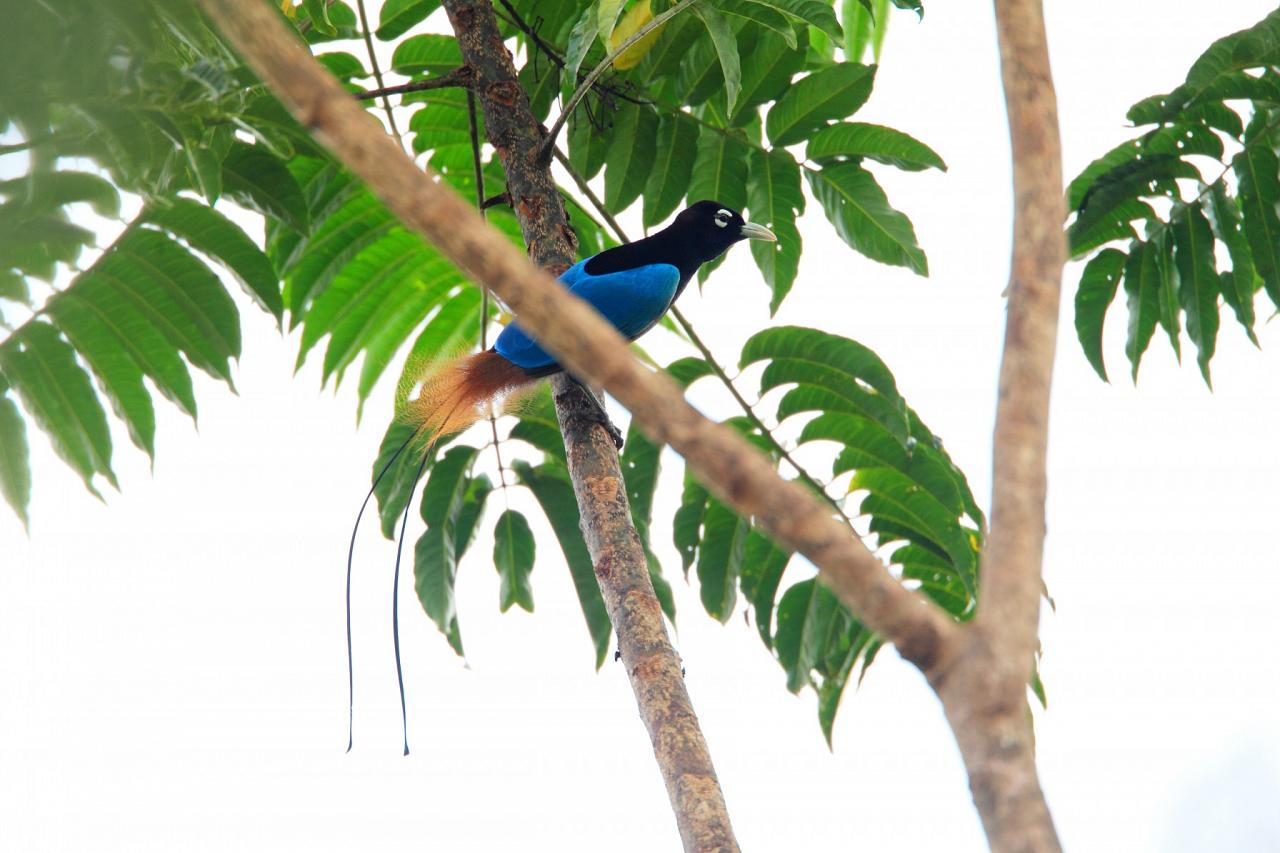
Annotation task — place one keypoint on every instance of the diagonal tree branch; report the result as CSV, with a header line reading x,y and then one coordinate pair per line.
x,y
584,341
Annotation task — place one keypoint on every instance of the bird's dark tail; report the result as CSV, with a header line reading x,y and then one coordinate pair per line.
x,y
451,396
454,394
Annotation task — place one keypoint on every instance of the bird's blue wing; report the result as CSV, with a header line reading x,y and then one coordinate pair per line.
x,y
632,300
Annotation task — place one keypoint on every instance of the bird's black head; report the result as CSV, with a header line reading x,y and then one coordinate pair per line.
x,y
710,228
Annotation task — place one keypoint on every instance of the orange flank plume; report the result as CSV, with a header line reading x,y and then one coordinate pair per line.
x,y
452,395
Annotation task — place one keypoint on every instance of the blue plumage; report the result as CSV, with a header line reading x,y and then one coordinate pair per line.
x,y
632,300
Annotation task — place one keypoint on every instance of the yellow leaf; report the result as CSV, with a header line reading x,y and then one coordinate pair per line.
x,y
635,18
286,6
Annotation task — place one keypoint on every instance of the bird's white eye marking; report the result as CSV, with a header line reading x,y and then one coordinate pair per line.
x,y
722,217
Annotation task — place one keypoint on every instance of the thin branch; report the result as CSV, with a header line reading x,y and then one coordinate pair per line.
x,y
478,168
377,70
604,66
707,355
461,77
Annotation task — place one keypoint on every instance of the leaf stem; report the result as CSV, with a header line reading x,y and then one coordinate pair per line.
x,y
605,65
460,76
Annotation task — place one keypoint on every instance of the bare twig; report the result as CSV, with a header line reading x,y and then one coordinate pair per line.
x,y
478,168
461,77
377,70
604,66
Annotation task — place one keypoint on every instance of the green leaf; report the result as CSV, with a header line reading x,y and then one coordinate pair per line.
x,y
1198,281
553,492
629,161
454,329
392,489
818,351
812,12
672,168
179,295
587,144
1106,197
399,16
57,394
688,370
342,65
883,144
386,329
640,462
720,170
135,330
1238,286
15,469
119,376
726,45
581,37
759,13
435,564
538,425
1142,286
1256,168
1097,289
686,526
763,564
607,12
896,498
42,192
428,54
1167,297
720,553
832,93
342,235
824,390
860,211
513,553
767,76
468,520
774,199
208,231
259,181
318,12
385,263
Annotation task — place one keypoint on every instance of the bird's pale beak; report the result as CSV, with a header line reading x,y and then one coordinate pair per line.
x,y
752,231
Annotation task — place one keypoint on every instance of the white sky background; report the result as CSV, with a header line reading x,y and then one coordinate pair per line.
x,y
173,662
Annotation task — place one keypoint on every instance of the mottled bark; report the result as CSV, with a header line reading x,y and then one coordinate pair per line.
x,y
621,566
984,691
652,663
